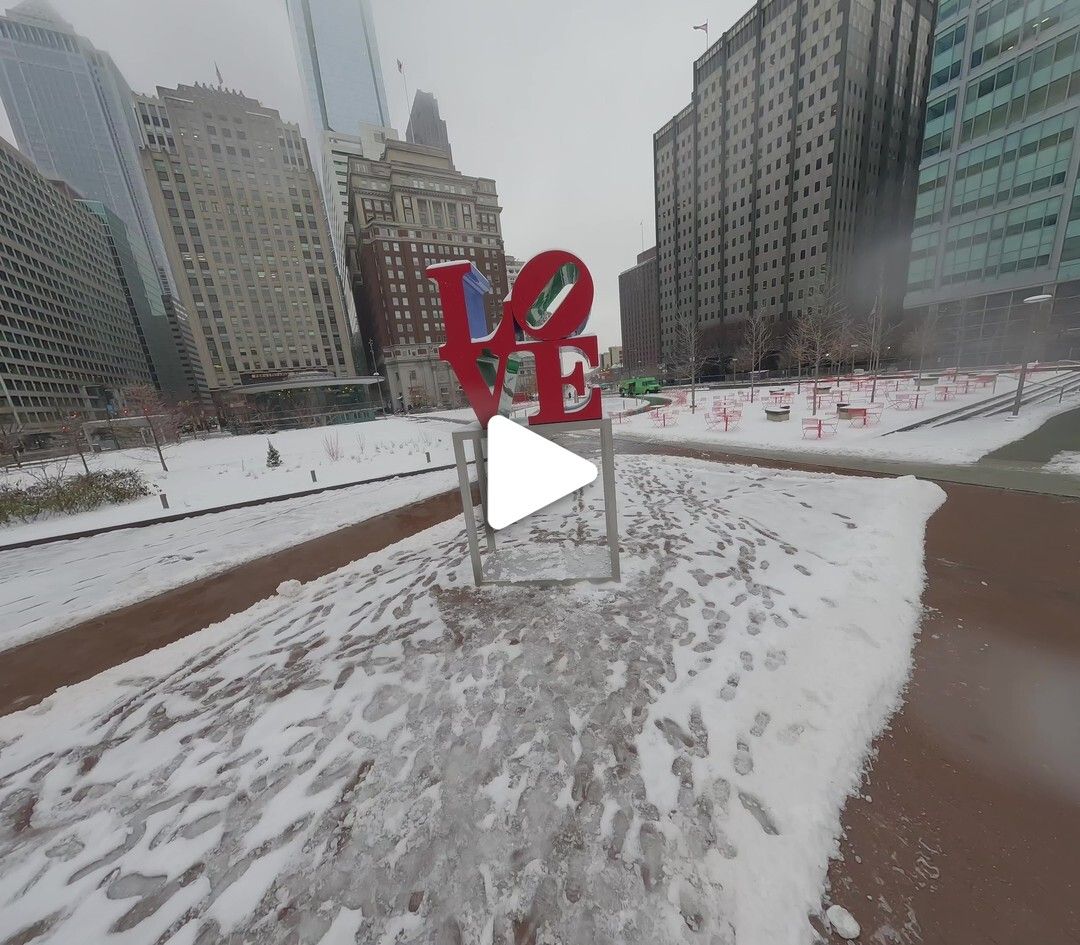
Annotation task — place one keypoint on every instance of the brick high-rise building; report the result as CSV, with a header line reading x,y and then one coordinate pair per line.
x,y
998,212
69,340
799,149
640,315
245,228
409,210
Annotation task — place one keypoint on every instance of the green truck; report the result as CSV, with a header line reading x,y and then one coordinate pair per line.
x,y
636,386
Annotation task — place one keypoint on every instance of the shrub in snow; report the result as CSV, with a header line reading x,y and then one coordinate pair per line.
x,y
53,492
273,457
332,447
842,922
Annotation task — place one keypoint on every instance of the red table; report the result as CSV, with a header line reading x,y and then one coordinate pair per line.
x,y
727,417
817,424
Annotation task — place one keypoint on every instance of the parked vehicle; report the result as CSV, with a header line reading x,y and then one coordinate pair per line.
x,y
636,386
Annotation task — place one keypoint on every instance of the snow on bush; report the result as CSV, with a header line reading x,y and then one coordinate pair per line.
x,y
51,491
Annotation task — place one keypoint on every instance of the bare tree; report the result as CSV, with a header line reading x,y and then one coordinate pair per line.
x,y
147,402
690,354
756,334
845,338
817,323
797,350
192,415
72,434
872,333
11,439
922,339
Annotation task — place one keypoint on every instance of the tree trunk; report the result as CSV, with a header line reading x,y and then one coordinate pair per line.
x,y
157,444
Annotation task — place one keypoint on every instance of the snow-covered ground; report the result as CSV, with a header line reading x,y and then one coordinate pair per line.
x,y
963,442
224,469
395,756
613,405
1067,463
49,587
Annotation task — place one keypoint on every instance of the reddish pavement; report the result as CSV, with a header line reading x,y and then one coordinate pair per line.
x,y
969,825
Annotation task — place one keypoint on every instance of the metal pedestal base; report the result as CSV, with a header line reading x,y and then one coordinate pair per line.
x,y
478,438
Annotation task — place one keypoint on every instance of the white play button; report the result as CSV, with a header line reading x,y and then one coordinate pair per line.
x,y
526,472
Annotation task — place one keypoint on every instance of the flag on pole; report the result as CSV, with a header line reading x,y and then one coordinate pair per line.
x,y
704,27
217,69
401,67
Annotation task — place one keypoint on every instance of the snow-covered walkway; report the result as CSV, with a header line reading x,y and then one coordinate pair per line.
x,y
49,587
395,756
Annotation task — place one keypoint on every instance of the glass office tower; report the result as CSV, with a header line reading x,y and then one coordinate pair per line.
x,y
338,56
997,217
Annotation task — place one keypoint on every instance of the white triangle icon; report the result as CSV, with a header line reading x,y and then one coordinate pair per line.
x,y
526,472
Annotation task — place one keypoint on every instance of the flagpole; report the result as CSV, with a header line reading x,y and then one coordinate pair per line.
x,y
405,85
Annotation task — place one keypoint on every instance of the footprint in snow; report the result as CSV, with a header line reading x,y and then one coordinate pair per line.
x,y
774,659
761,722
757,809
743,761
728,692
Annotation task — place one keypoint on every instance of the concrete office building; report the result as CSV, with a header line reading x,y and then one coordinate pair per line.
x,y
409,210
71,112
997,218
513,267
639,315
68,341
798,149
426,125
244,224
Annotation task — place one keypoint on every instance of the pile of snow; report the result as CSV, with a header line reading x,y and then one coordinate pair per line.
x,y
399,757
289,588
843,922
1066,463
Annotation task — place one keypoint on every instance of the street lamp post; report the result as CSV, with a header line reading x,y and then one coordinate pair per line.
x,y
1032,300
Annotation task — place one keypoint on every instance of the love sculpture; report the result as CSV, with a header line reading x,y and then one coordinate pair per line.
x,y
542,316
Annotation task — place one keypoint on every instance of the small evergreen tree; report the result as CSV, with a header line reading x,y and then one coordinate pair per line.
x,y
273,457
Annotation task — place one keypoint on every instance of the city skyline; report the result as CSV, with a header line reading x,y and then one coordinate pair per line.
x,y
594,198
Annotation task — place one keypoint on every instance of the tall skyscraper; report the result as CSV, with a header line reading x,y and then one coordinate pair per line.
x,y
426,125
998,212
71,112
639,315
69,341
798,150
337,53
409,210
338,56
244,224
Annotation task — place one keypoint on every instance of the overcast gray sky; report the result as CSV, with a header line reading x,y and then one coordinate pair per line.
x,y
555,99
